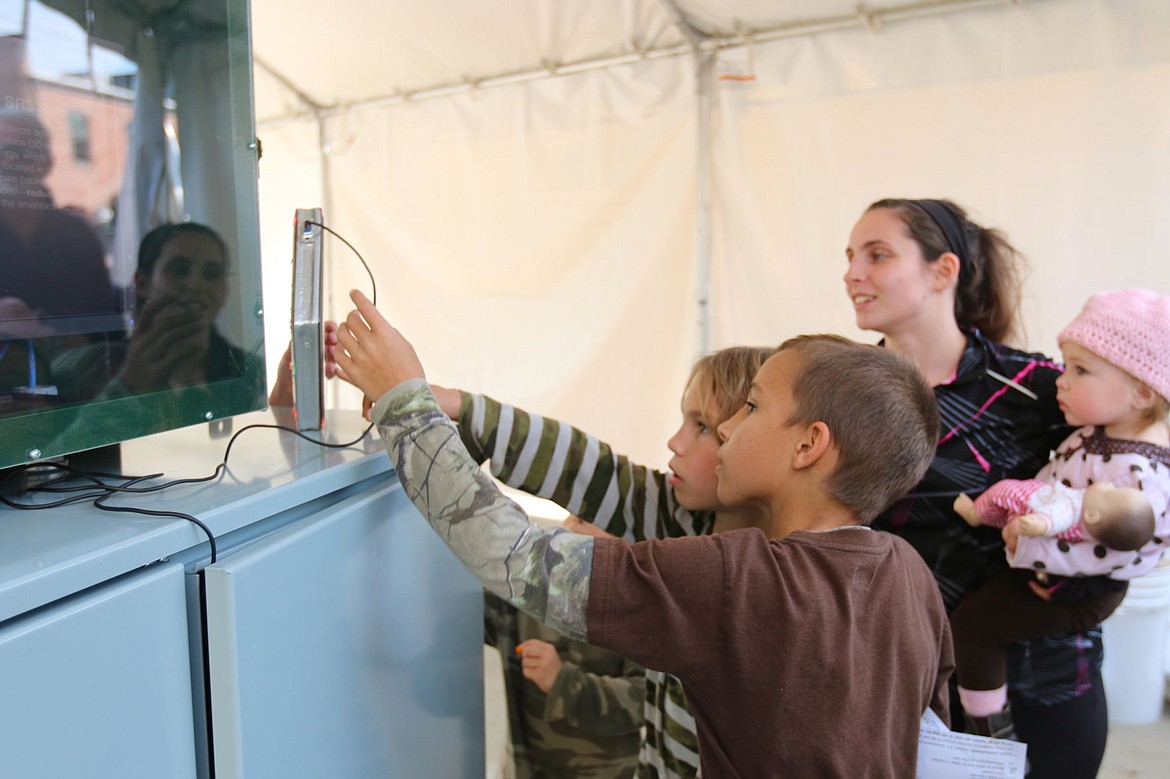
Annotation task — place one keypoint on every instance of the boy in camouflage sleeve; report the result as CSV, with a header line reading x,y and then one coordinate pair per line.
x,y
800,651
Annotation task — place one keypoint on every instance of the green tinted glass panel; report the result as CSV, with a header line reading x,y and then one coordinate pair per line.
x,y
130,300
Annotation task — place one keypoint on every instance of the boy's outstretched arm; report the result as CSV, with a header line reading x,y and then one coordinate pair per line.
x,y
544,572
579,472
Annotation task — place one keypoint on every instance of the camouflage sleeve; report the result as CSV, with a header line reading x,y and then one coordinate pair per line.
x,y
499,622
598,704
576,471
541,571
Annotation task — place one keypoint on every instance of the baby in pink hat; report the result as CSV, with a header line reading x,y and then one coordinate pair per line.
x,y
1114,388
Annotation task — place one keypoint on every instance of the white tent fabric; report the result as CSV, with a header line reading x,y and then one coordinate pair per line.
x,y
534,219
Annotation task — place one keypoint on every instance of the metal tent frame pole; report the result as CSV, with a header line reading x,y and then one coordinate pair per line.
x,y
705,75
705,58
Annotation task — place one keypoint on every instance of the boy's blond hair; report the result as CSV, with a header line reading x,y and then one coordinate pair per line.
x,y
880,412
723,379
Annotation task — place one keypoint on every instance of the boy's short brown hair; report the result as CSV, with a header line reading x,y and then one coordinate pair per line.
x,y
879,410
723,379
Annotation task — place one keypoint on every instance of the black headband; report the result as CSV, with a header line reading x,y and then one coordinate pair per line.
x,y
951,225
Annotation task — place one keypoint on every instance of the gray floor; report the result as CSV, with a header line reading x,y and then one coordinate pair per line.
x,y
1133,752
1138,751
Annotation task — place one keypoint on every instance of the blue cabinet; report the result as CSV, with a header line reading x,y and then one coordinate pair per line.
x,y
334,636
99,684
339,646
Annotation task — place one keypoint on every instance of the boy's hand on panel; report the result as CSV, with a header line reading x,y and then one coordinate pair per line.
x,y
371,354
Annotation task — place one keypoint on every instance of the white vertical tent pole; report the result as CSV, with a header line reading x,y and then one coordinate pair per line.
x,y
704,82
705,77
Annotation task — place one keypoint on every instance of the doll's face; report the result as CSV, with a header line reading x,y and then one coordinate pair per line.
x,y
1103,504
1118,517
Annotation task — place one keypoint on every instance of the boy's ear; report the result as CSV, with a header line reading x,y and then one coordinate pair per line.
x,y
812,446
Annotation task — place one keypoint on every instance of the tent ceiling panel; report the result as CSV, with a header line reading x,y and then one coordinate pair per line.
x,y
351,53
357,52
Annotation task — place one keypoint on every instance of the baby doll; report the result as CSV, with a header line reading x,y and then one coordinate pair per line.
x,y
1119,517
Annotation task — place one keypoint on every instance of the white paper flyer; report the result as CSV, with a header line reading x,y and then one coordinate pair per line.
x,y
944,754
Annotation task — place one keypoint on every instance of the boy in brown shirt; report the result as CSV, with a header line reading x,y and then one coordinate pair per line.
x,y
812,650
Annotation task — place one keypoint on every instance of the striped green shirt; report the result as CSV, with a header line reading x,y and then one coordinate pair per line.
x,y
583,475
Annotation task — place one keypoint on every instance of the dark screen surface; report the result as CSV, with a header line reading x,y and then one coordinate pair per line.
x,y
130,298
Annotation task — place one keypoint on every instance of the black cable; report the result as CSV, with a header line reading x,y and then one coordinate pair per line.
x,y
373,284
101,504
100,492
97,487
298,434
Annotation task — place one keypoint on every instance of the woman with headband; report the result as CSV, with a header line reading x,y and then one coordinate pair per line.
x,y
944,292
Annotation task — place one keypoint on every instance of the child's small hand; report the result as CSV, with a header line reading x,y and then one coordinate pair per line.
x,y
539,662
371,354
329,342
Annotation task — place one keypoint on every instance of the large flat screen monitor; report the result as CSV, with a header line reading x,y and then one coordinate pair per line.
x,y
130,297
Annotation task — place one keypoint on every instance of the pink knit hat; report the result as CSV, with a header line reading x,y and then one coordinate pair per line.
x,y
1129,328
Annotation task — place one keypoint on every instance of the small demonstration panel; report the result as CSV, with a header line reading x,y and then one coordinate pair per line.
x,y
308,351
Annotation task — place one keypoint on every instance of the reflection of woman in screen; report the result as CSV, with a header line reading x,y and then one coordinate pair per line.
x,y
180,285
